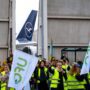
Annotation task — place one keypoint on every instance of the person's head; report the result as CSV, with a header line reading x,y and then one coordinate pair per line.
x,y
63,57
27,50
56,61
78,68
6,68
80,63
75,68
53,63
42,63
59,65
47,64
52,58
64,62
67,61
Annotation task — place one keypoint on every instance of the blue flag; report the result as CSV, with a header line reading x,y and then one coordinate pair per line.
x,y
27,30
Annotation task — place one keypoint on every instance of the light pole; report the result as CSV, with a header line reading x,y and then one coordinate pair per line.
x,y
42,32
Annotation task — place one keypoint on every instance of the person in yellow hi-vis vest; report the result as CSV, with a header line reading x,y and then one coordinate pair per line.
x,y
75,81
89,81
42,76
66,65
4,79
59,77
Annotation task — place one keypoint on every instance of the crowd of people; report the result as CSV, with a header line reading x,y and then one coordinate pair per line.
x,y
59,75
50,75
5,67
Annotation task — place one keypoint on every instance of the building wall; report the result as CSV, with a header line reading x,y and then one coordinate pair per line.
x,y
4,28
68,23
57,52
69,32
69,8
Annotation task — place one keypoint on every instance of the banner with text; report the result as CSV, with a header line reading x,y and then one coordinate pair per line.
x,y
22,68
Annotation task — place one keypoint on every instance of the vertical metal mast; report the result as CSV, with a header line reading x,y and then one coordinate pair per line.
x,y
43,42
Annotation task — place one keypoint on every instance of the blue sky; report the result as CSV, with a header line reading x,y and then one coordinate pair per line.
x,y
23,9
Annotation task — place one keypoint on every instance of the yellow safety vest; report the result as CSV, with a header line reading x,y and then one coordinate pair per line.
x,y
39,71
65,67
3,84
54,80
73,83
89,77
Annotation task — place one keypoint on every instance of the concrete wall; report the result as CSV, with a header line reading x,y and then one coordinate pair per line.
x,y
69,23
4,28
69,32
69,7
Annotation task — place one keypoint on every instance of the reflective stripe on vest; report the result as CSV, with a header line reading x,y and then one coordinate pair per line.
x,y
39,71
54,79
65,84
3,86
73,83
89,77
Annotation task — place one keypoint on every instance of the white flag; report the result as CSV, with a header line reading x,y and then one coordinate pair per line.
x,y
86,64
27,87
22,68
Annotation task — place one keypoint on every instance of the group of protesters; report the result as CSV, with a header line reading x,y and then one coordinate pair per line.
x,y
50,74
5,67
59,75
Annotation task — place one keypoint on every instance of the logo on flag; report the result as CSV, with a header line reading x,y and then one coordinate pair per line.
x,y
22,68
